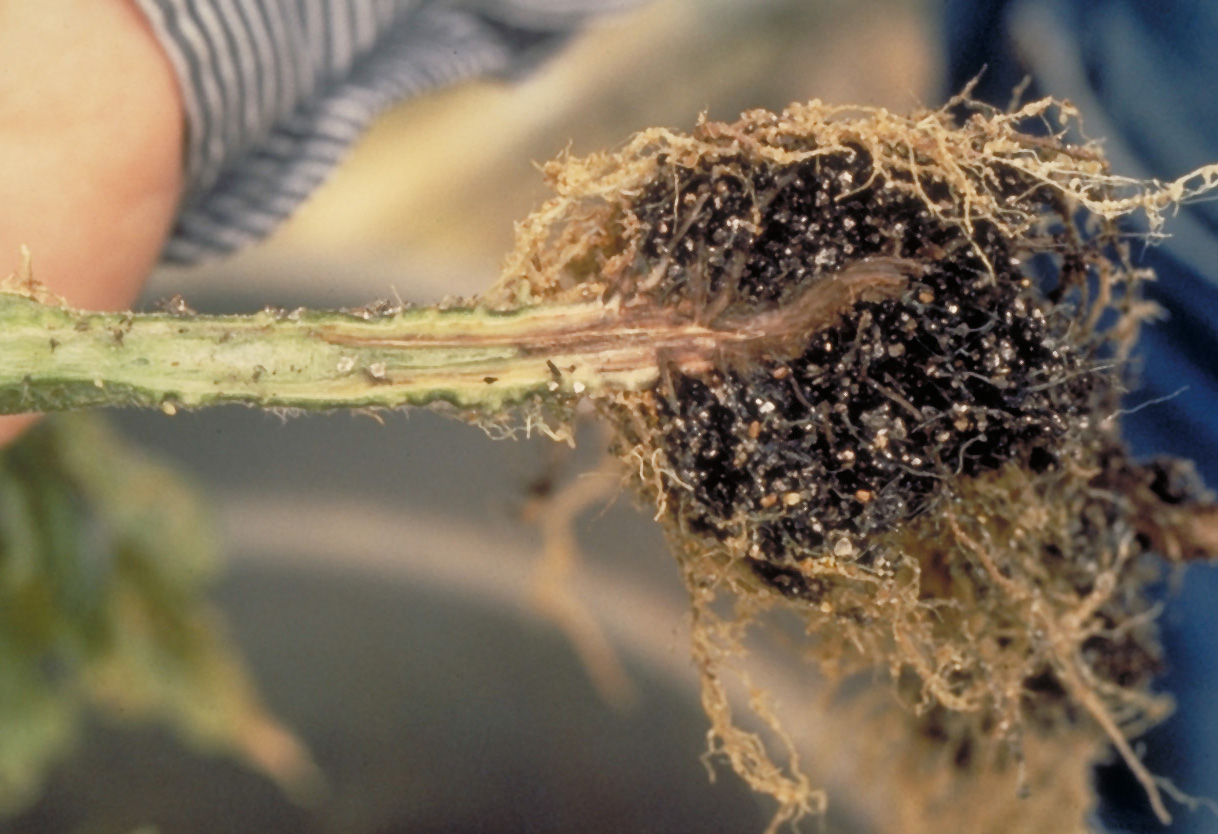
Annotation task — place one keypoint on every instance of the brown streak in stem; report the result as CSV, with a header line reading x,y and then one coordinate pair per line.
x,y
787,329
616,340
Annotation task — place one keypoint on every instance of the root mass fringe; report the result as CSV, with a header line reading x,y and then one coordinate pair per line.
x,y
920,461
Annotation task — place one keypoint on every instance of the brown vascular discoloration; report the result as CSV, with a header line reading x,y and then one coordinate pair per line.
x,y
617,340
787,329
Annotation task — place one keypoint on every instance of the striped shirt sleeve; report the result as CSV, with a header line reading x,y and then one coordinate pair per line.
x,y
276,91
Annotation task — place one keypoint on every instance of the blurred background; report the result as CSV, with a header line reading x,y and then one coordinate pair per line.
x,y
426,202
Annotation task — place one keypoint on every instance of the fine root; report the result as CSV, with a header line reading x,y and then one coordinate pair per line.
x,y
896,421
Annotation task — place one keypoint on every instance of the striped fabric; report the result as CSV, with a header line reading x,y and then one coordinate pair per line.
x,y
276,91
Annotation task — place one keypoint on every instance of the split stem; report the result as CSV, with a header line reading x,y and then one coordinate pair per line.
x,y
53,358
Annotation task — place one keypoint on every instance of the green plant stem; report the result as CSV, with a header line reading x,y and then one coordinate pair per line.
x,y
53,358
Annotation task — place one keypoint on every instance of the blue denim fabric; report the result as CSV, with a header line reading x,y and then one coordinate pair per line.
x,y
1145,75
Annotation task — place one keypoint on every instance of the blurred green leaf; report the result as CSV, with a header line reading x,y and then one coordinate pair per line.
x,y
105,559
